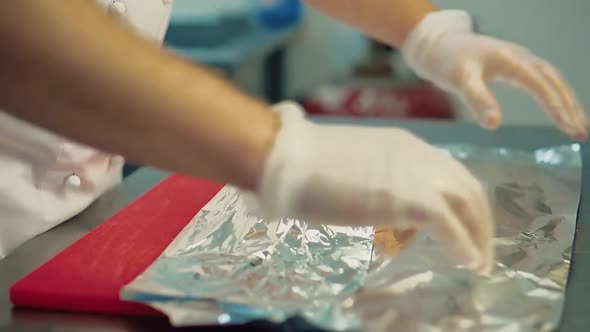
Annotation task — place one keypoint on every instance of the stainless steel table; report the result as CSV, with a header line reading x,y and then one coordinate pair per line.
x,y
38,250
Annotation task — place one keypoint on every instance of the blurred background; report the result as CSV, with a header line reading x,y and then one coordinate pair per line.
x,y
280,49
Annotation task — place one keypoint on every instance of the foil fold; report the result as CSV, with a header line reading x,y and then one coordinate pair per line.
x,y
240,268
229,267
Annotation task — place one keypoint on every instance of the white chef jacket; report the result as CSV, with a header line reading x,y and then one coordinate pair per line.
x,y
46,179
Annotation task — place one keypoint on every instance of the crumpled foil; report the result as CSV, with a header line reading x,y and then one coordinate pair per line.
x,y
244,268
227,266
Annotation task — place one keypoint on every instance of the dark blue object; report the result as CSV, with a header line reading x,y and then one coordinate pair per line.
x,y
279,13
193,34
129,169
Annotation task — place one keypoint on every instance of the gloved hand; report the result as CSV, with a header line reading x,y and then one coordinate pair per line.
x,y
444,50
357,176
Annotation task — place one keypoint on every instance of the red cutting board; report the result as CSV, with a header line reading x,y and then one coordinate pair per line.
x,y
87,276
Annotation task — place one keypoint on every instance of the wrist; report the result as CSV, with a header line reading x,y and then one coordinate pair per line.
x,y
413,20
255,151
419,42
285,165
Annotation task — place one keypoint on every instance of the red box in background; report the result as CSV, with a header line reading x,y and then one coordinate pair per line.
x,y
418,102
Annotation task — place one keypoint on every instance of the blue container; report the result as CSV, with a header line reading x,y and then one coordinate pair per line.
x,y
207,23
278,14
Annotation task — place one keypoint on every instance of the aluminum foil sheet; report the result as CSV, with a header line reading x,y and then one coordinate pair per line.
x,y
229,267
243,268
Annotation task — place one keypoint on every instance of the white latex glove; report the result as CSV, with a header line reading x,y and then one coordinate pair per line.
x,y
358,176
444,50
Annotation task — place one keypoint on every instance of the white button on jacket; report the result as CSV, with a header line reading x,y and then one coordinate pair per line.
x,y
46,179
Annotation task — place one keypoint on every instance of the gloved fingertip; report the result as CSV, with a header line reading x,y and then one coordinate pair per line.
x,y
582,125
585,119
491,119
485,271
581,135
576,132
487,266
471,259
477,267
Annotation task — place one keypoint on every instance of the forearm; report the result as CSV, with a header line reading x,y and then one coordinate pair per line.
x,y
386,20
73,70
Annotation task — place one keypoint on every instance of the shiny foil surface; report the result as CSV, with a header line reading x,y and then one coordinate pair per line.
x,y
244,268
229,267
